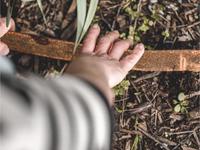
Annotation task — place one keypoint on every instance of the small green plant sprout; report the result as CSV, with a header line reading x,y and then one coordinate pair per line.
x,y
148,47
95,20
118,110
138,93
143,27
121,87
56,73
166,134
122,35
150,22
165,33
155,16
131,12
180,105
196,17
134,7
106,32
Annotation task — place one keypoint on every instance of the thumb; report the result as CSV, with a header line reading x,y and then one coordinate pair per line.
x,y
129,61
4,50
3,28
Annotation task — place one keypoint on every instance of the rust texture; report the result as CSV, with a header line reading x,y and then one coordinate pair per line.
x,y
157,60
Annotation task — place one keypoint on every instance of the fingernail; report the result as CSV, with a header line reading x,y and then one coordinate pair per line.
x,y
131,41
116,31
4,51
140,46
95,26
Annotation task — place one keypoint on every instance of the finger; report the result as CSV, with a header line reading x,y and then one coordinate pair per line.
x,y
119,48
89,42
4,50
129,61
106,41
3,28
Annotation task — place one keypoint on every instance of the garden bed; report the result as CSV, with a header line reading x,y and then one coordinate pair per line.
x,y
150,94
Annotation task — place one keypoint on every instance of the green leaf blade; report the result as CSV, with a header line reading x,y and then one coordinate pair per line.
x,y
181,96
40,6
177,108
8,15
91,12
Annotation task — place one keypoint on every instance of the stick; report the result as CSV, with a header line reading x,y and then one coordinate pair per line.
x,y
150,136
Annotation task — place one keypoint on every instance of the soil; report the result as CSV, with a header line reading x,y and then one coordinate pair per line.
x,y
146,108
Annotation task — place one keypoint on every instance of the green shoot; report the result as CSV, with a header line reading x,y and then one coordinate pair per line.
x,y
180,105
121,87
165,33
155,16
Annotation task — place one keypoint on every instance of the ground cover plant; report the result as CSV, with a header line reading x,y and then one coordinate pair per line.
x,y
145,103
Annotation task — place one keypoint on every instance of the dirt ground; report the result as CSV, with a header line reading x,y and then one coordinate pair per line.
x,y
144,110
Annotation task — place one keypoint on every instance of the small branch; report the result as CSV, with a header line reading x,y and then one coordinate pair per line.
x,y
153,138
147,76
186,137
195,93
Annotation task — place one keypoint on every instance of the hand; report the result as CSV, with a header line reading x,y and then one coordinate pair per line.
x,y
4,50
104,59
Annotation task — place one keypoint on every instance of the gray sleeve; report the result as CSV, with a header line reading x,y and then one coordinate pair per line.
x,y
62,114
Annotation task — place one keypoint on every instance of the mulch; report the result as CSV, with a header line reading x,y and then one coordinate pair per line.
x,y
146,110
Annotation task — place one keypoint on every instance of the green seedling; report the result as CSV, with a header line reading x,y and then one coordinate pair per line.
x,y
196,17
143,27
95,20
121,87
180,105
148,47
131,12
135,143
150,22
166,134
122,35
138,93
165,33
155,16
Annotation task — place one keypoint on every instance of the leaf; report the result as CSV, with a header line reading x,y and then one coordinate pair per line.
x,y
40,6
137,38
118,110
127,83
177,108
8,15
121,91
151,23
184,103
181,96
55,72
135,142
81,14
163,33
137,93
130,37
143,27
90,14
134,7
115,90
175,102
122,35
146,21
184,110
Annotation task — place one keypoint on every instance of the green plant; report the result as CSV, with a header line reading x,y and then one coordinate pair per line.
x,y
95,18
143,27
180,105
149,47
122,35
165,33
121,87
155,16
135,143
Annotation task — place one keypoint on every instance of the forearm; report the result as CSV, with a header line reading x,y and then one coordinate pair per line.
x,y
92,74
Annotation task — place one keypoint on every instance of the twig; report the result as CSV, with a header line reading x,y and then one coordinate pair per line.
x,y
186,137
102,18
138,14
118,11
62,70
153,138
192,94
131,131
196,138
121,99
147,76
139,101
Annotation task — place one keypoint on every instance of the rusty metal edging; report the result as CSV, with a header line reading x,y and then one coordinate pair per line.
x,y
157,60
